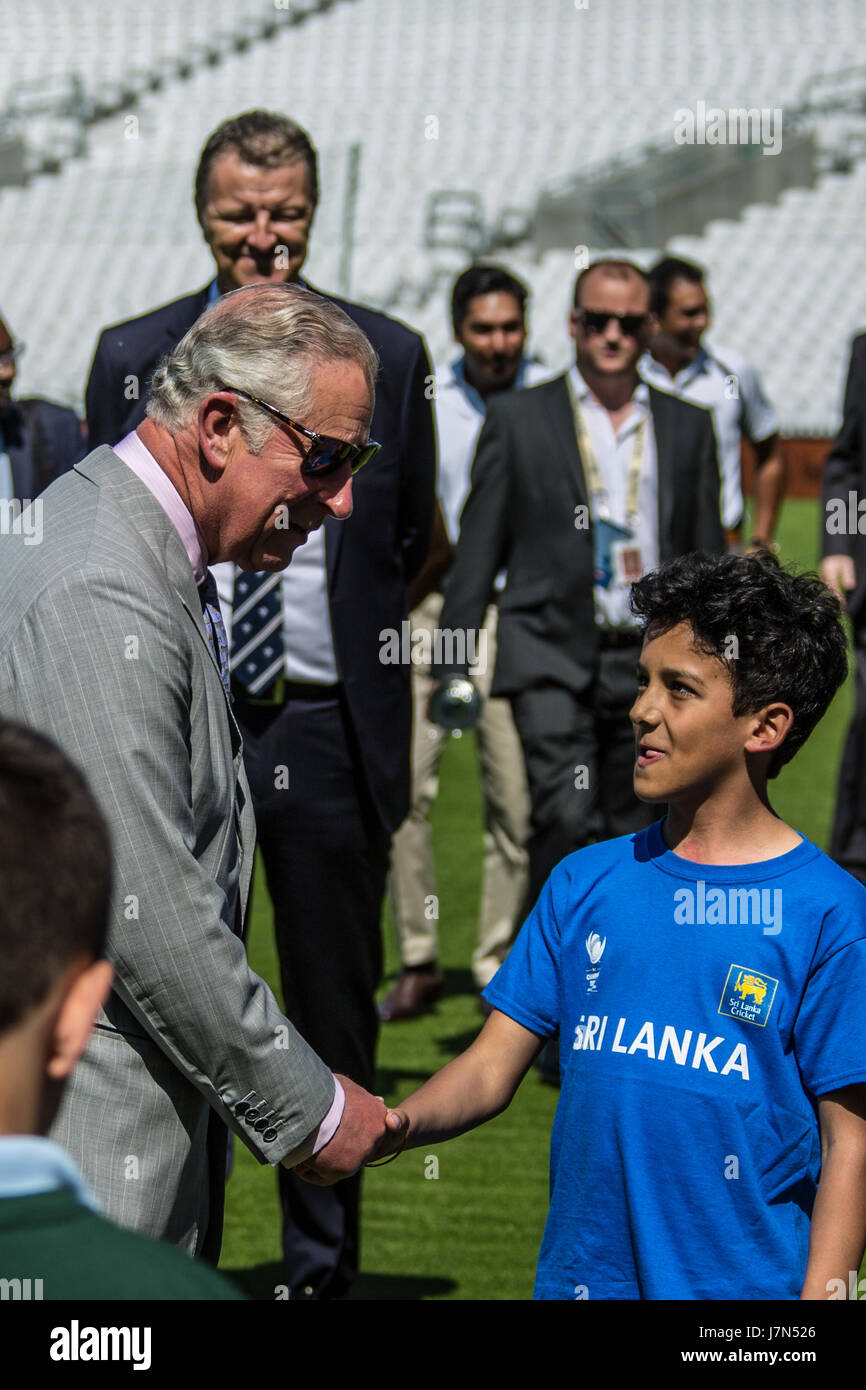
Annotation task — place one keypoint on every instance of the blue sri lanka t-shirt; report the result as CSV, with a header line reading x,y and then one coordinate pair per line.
x,y
702,1011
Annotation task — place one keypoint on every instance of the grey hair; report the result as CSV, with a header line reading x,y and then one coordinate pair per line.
x,y
263,339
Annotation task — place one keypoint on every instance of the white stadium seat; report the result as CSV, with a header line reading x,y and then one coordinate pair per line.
x,y
497,97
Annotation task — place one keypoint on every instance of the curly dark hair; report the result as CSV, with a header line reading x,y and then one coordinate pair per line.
x,y
790,642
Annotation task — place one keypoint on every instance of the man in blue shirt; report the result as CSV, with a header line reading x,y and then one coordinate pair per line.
x,y
706,976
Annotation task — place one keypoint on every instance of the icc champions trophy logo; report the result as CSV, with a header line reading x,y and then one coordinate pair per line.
x,y
595,945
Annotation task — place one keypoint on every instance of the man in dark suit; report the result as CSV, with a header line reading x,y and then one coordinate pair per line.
x,y
843,568
326,726
38,439
578,486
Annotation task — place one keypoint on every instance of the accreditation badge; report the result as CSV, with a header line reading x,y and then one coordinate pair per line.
x,y
607,537
626,562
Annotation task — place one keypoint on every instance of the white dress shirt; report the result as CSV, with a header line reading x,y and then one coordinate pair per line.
x,y
613,453
727,384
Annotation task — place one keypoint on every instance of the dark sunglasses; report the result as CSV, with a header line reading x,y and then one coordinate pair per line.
x,y
596,321
325,455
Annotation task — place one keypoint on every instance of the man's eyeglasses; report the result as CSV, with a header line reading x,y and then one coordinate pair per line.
x,y
596,321
326,454
11,354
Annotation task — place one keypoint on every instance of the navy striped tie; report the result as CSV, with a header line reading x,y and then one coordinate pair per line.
x,y
257,630
215,627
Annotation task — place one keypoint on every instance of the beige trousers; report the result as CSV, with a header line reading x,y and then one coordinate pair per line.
x,y
414,900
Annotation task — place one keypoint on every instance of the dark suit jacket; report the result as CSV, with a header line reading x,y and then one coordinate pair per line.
x,y
527,480
371,557
43,440
844,472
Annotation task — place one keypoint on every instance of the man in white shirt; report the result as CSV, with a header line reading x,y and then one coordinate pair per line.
x,y
489,320
722,380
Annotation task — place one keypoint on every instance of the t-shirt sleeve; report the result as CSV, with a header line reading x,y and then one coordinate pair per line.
x,y
527,985
830,1028
758,418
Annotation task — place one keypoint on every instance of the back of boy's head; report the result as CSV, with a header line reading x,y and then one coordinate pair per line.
x,y
55,870
789,646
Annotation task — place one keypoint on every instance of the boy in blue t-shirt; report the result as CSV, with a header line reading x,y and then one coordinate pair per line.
x,y
707,978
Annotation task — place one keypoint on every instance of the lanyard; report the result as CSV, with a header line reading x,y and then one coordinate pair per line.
x,y
597,490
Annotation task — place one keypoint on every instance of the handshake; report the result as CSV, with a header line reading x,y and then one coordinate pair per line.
x,y
367,1131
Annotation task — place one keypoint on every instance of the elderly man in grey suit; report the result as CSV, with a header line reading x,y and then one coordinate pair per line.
x,y
111,643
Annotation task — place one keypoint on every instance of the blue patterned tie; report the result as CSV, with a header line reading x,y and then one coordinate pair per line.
x,y
257,630
215,627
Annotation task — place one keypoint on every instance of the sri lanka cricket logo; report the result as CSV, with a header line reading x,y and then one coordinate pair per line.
x,y
748,995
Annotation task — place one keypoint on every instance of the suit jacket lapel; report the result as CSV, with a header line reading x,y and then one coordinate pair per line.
x,y
561,420
334,531
175,327
183,582
665,467
158,531
17,444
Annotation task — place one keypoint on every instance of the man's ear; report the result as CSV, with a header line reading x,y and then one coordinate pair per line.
x,y
218,428
83,990
573,321
770,727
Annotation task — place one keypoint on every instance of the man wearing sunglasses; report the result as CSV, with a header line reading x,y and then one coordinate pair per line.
x,y
39,440
579,486
326,726
111,642
721,380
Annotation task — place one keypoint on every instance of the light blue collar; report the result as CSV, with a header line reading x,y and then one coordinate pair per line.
x,y
698,365
30,1164
474,398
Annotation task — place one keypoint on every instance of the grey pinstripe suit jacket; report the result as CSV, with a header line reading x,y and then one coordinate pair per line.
x,y
103,649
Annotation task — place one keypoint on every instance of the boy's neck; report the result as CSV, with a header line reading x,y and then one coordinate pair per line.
x,y
713,833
